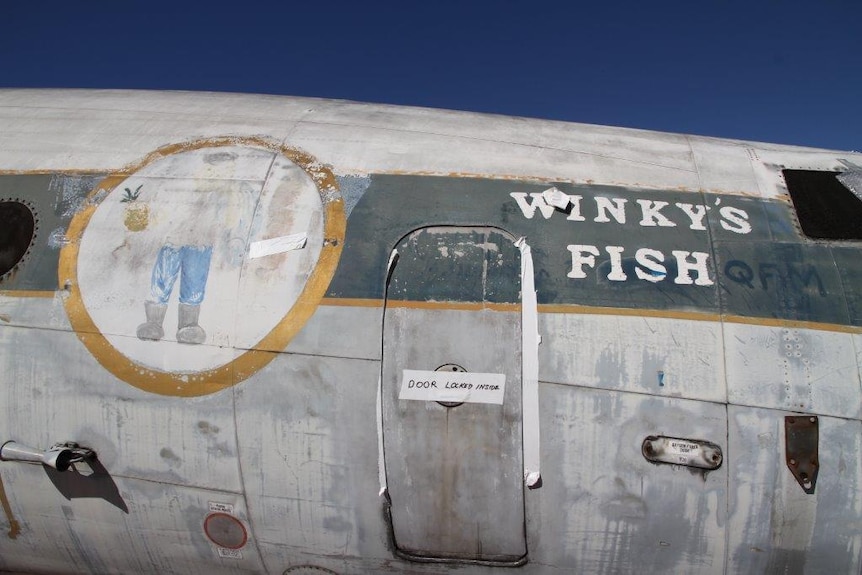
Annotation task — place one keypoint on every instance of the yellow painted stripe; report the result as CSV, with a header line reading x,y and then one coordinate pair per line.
x,y
442,305
463,306
792,324
609,311
550,308
351,302
54,171
28,293
628,312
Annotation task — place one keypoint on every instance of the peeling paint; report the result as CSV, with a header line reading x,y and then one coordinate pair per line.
x,y
281,449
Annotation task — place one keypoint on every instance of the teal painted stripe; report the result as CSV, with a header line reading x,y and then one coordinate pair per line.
x,y
771,271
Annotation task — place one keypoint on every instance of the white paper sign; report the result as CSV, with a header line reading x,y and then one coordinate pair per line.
x,y
277,245
453,386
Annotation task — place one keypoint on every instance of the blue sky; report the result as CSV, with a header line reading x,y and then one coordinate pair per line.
x,y
775,71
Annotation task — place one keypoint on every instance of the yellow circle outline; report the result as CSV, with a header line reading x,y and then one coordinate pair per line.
x,y
191,384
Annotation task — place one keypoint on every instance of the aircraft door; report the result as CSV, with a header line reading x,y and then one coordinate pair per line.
x,y
454,463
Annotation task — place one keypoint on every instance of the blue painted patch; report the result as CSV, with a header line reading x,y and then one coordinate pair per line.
x,y
191,264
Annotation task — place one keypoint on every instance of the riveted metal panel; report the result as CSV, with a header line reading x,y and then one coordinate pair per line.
x,y
604,508
796,369
773,525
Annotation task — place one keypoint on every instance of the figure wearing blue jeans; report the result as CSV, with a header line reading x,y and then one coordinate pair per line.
x,y
192,265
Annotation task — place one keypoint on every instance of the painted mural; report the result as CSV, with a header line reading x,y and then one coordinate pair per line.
x,y
211,246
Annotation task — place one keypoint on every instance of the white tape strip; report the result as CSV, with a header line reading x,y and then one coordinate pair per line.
x,y
381,461
277,245
530,368
381,456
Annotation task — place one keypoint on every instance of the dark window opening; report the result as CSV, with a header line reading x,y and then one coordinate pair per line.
x,y
17,230
826,208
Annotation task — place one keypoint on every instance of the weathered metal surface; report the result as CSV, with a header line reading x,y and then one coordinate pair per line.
x,y
792,369
773,526
454,473
662,356
801,442
762,322
151,526
66,393
614,511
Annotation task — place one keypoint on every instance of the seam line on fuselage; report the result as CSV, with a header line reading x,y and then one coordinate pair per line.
x,y
590,310
214,489
712,401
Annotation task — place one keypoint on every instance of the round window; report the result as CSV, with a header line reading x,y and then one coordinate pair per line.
x,y
17,230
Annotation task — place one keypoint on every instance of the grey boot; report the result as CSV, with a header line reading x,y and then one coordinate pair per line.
x,y
189,331
152,329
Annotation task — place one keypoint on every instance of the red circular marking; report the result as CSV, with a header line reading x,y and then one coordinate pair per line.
x,y
221,529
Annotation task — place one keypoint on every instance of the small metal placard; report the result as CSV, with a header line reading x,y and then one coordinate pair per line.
x,y
229,553
680,451
221,507
453,386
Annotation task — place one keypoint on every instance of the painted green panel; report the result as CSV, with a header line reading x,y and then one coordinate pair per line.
x,y
439,266
849,264
613,247
796,281
766,220
393,206
503,271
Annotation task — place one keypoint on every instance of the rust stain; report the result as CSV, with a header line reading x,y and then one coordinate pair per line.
x,y
14,527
